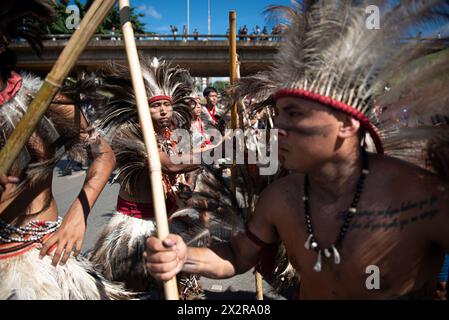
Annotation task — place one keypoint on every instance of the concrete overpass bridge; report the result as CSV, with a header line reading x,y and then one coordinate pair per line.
x,y
204,58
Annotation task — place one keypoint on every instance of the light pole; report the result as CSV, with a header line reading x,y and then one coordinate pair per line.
x,y
208,17
188,16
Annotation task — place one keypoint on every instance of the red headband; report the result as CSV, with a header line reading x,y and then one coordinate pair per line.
x,y
300,93
159,98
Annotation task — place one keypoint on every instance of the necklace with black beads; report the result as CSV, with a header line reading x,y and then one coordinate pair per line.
x,y
311,242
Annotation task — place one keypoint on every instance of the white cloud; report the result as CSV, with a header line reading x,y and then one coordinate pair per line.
x,y
150,11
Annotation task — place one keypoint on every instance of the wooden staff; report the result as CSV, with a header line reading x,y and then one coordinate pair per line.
x,y
52,83
259,286
234,75
233,80
155,171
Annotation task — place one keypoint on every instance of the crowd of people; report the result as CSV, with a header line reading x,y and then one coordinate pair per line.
x,y
264,35
243,35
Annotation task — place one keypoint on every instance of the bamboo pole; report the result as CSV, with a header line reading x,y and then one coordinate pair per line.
x,y
233,80
155,171
259,287
52,83
234,75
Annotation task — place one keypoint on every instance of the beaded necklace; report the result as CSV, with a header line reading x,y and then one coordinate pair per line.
x,y
312,242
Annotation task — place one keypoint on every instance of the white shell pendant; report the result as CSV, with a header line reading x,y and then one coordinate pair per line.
x,y
317,266
336,255
327,253
307,243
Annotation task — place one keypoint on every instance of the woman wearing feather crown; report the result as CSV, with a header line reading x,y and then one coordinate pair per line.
x,y
39,251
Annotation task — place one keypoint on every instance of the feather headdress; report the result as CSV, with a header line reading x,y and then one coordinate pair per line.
x,y
20,19
163,81
112,97
330,55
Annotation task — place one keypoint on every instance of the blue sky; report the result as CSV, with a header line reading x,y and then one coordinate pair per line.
x,y
159,15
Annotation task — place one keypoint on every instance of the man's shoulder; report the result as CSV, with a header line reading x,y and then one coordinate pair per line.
x,y
282,192
397,173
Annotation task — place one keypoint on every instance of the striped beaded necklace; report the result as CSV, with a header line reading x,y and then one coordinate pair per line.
x,y
33,231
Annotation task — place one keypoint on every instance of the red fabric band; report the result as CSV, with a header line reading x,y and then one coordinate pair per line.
x,y
300,93
14,249
12,86
212,114
266,263
159,98
134,209
141,210
257,240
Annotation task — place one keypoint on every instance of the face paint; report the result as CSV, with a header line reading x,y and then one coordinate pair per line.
x,y
309,131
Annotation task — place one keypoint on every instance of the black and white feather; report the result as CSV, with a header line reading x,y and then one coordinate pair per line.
x,y
23,19
160,78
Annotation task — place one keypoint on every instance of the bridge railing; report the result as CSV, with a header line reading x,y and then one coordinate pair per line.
x,y
219,37
178,37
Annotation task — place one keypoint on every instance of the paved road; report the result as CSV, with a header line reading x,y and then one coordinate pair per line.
x,y
66,188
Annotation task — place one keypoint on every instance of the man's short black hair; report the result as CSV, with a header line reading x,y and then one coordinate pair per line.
x,y
208,90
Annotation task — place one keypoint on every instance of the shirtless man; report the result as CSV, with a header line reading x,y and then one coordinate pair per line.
x,y
31,201
342,212
405,236
36,260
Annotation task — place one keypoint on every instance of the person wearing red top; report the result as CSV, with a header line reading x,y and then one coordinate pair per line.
x,y
38,248
199,137
211,95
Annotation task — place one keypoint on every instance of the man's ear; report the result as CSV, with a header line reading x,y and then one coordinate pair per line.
x,y
349,127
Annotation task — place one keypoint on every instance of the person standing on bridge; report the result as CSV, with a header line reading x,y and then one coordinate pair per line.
x,y
174,30
195,34
264,34
371,226
39,251
113,38
184,33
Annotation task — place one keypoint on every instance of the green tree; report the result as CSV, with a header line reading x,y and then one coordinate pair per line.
x,y
220,85
113,18
58,26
